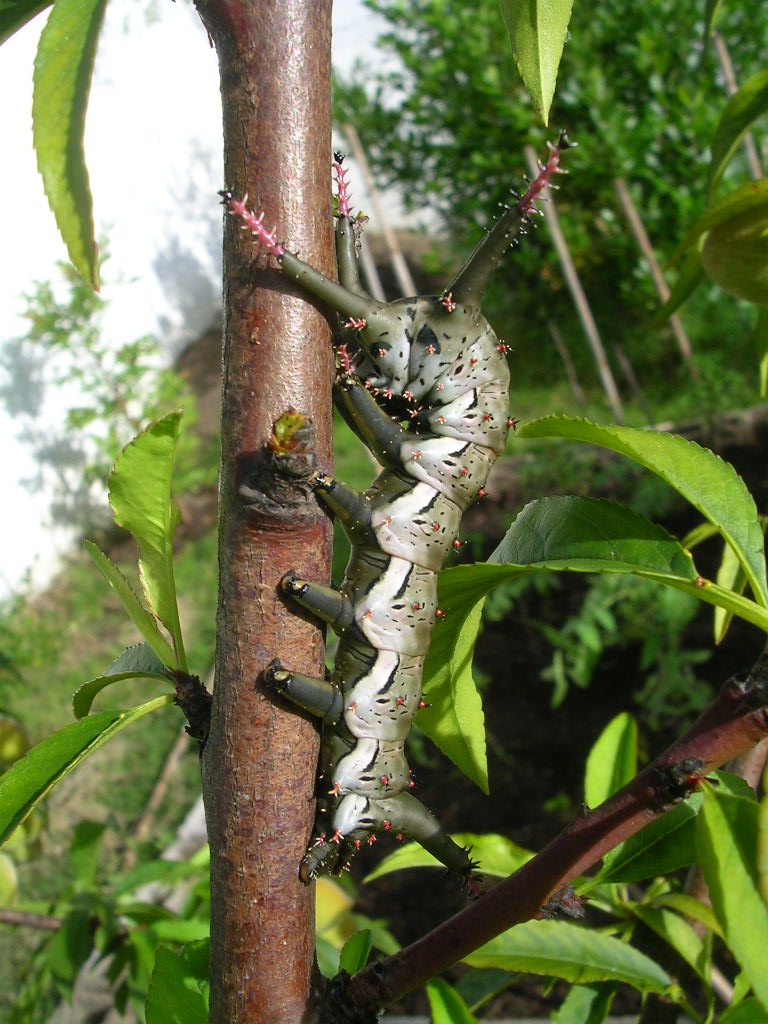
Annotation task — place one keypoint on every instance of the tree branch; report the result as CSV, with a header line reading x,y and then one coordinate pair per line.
x,y
734,723
260,758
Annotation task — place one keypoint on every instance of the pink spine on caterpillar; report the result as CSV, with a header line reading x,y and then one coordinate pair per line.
x,y
542,180
342,189
267,239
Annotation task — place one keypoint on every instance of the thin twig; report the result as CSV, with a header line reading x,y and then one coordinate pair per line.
x,y
42,922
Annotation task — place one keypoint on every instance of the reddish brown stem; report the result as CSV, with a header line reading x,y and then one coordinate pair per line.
x,y
28,920
259,761
735,722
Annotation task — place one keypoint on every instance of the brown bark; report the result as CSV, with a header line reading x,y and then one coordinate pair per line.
x,y
259,762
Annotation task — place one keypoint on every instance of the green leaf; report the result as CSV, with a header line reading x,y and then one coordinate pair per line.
x,y
691,274
84,851
560,949
29,779
137,662
537,30
354,955
69,948
140,496
762,842
327,956
663,845
13,741
748,1012
9,880
477,987
179,929
612,761
726,858
710,15
139,615
497,855
761,345
62,81
176,994
701,477
734,255
453,718
446,1004
591,535
585,1004
730,576
677,933
689,906
744,107
15,13
741,200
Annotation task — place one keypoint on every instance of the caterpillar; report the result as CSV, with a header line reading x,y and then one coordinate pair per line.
x,y
424,383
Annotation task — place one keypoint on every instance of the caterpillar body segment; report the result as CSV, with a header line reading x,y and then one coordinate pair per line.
x,y
424,383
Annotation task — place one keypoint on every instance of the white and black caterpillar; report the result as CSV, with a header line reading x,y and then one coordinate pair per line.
x,y
424,383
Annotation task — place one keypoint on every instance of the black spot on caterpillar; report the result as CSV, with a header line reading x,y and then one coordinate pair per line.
x,y
445,379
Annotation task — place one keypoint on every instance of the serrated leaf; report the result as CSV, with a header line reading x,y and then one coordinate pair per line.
x,y
612,761
537,31
446,1005
727,865
585,1004
595,535
496,855
730,576
477,987
62,81
453,718
748,103
141,618
677,933
704,479
662,846
591,535
137,662
15,13
175,994
140,496
560,949
747,1012
28,780
741,200
734,255
691,907
354,955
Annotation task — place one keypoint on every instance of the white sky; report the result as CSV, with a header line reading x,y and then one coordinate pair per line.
x,y
154,105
